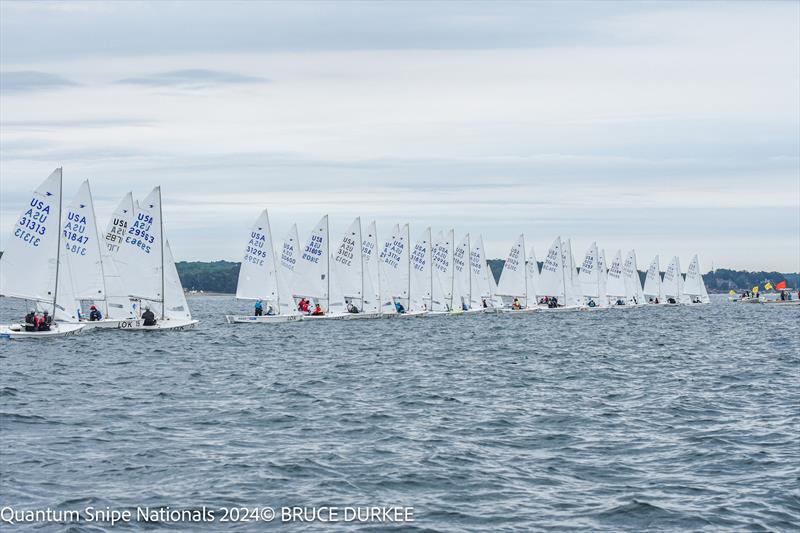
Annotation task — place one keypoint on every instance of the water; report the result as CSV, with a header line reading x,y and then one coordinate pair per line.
x,y
672,419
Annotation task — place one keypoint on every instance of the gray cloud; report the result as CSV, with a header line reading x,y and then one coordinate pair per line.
x,y
192,78
31,80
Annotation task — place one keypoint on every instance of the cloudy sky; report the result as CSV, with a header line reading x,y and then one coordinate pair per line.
x,y
672,127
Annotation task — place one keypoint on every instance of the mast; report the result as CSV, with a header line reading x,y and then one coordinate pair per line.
x,y
525,271
430,264
408,244
60,232
469,269
274,265
361,255
328,257
161,236
97,236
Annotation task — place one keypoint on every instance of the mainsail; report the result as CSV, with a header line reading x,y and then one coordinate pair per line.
x,y
694,285
421,273
616,284
369,251
652,281
290,253
119,305
552,279
633,285
673,282
312,271
258,277
29,265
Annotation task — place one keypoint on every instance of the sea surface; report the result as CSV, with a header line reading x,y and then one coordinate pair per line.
x,y
669,419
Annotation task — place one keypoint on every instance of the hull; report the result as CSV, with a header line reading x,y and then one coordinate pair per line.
x,y
162,325
362,316
113,323
264,319
524,311
17,331
306,318
559,309
410,314
781,302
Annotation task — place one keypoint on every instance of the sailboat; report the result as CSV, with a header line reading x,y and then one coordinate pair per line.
x,y
589,279
313,273
82,276
673,282
615,288
349,275
147,268
482,297
259,278
442,272
555,280
515,279
694,287
653,289
633,285
371,304
401,272
463,300
426,292
30,264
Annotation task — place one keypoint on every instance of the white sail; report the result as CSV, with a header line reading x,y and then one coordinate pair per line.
x,y
512,279
481,291
633,285
82,247
421,275
347,264
552,277
589,276
694,285
369,251
672,280
602,271
615,287
652,281
532,276
139,258
462,276
289,256
175,306
118,304
312,269
394,268
571,285
443,265
28,267
258,275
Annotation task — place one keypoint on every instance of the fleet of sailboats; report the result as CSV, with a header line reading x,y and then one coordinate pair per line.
x,y
430,276
57,261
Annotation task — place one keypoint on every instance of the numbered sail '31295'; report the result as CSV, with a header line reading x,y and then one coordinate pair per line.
x,y
258,277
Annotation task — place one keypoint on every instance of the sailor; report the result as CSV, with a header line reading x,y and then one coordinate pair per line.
x,y
304,305
464,306
317,311
483,301
30,321
592,304
352,308
657,300
516,304
259,308
670,300
94,314
399,308
148,317
44,323
270,311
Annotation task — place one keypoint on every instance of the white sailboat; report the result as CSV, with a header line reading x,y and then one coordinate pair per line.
x,y
30,264
602,270
514,284
653,289
82,277
463,282
348,276
422,278
572,286
442,259
482,293
119,305
673,282
553,279
589,279
313,273
615,288
694,287
146,265
259,279
633,285
371,307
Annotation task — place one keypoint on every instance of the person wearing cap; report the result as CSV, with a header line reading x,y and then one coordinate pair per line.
x,y
317,311
30,321
94,314
44,323
148,317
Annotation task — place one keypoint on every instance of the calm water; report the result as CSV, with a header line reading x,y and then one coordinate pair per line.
x,y
670,419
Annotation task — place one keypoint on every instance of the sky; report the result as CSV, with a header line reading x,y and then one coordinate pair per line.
x,y
672,128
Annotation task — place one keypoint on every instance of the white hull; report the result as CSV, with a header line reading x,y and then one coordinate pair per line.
x,y
112,323
559,309
524,311
362,316
780,302
162,325
263,319
410,314
58,329
325,317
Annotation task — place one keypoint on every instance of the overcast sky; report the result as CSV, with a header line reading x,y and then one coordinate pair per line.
x,y
672,127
